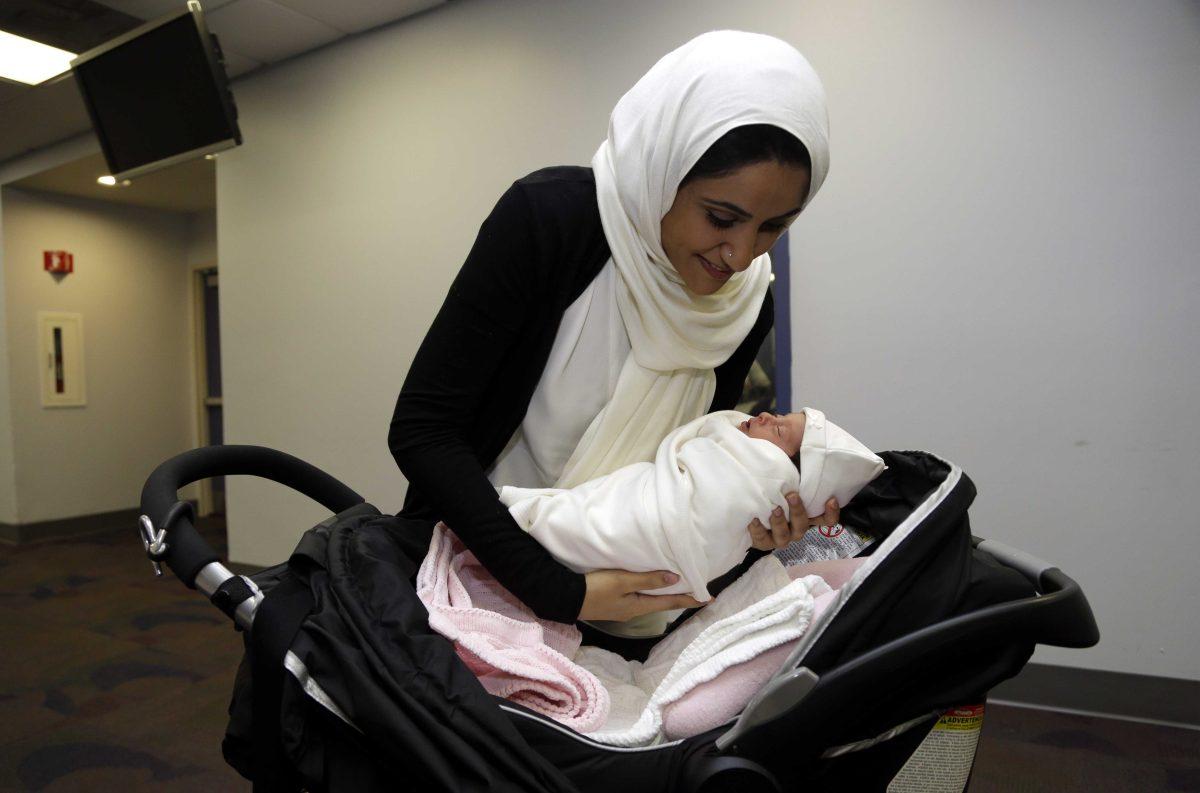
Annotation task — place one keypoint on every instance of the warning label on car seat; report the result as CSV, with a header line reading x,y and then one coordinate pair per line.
x,y
943,761
825,542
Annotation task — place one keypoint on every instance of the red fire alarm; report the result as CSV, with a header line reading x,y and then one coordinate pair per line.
x,y
58,262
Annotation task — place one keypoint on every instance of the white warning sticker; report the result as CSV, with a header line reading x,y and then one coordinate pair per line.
x,y
824,542
943,761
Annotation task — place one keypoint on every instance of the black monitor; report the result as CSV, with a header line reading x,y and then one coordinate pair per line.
x,y
158,94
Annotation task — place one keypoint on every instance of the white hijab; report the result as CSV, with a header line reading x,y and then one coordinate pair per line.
x,y
657,132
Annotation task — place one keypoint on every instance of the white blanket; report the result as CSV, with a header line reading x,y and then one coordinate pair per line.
x,y
761,610
686,512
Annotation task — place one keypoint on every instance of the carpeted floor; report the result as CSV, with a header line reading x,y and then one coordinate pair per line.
x,y
111,679
1037,751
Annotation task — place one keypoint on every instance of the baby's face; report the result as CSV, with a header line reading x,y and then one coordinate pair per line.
x,y
786,432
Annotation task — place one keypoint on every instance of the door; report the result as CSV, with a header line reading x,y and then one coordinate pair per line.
x,y
208,377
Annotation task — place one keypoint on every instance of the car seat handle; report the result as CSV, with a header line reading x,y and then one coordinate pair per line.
x,y
167,529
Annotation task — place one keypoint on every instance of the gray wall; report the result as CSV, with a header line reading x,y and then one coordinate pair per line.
x,y
202,238
9,172
8,469
131,286
995,271
1004,271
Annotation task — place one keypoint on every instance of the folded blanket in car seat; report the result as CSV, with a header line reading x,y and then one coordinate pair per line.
x,y
514,654
763,609
712,703
540,664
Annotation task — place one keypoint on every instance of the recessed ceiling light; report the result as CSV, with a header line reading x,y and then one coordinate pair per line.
x,y
109,181
31,62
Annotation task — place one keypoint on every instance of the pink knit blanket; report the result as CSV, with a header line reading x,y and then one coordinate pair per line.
x,y
514,654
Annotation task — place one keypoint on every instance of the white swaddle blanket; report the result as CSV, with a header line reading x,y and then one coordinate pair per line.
x,y
686,512
760,611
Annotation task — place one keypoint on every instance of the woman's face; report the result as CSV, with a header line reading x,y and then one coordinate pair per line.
x,y
717,226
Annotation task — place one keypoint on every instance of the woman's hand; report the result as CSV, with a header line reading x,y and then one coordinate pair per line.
x,y
615,595
785,529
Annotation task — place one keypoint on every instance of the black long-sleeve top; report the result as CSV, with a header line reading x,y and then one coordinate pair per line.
x,y
474,374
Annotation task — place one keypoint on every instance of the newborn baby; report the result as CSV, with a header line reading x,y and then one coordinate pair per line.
x,y
688,510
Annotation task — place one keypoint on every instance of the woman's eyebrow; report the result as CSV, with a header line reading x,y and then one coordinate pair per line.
x,y
737,210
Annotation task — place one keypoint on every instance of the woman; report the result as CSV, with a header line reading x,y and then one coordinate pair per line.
x,y
601,308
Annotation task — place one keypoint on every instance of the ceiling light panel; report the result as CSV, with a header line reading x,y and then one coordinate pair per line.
x,y
30,62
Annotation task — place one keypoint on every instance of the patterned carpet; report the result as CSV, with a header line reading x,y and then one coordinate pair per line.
x,y
110,679
113,680
1023,750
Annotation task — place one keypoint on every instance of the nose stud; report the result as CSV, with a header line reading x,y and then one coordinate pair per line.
x,y
728,254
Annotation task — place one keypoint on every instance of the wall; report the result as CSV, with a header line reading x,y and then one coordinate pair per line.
x,y
1007,276
8,469
995,270
10,171
130,285
202,238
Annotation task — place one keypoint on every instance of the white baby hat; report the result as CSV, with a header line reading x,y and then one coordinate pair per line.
x,y
832,464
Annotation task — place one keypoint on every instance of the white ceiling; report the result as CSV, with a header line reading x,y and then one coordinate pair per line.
x,y
252,33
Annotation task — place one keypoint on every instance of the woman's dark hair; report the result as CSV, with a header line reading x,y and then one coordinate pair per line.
x,y
747,145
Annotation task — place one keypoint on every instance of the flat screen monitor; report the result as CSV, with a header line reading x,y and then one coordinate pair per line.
x,y
158,95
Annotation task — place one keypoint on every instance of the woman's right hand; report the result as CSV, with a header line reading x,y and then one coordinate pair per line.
x,y
786,529
616,595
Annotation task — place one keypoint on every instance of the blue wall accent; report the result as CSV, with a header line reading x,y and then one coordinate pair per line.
x,y
781,265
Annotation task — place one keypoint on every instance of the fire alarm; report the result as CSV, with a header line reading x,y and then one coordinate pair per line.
x,y
58,262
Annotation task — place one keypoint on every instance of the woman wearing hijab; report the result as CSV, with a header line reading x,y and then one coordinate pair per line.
x,y
601,308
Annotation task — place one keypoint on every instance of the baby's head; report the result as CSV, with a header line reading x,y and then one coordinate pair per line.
x,y
831,462
786,432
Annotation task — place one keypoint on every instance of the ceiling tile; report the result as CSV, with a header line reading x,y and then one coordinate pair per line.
x,y
353,16
267,31
152,9
9,90
48,113
236,65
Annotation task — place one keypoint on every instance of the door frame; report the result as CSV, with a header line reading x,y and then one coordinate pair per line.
x,y
196,279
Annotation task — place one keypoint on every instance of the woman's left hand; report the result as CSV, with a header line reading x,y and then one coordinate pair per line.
x,y
787,528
